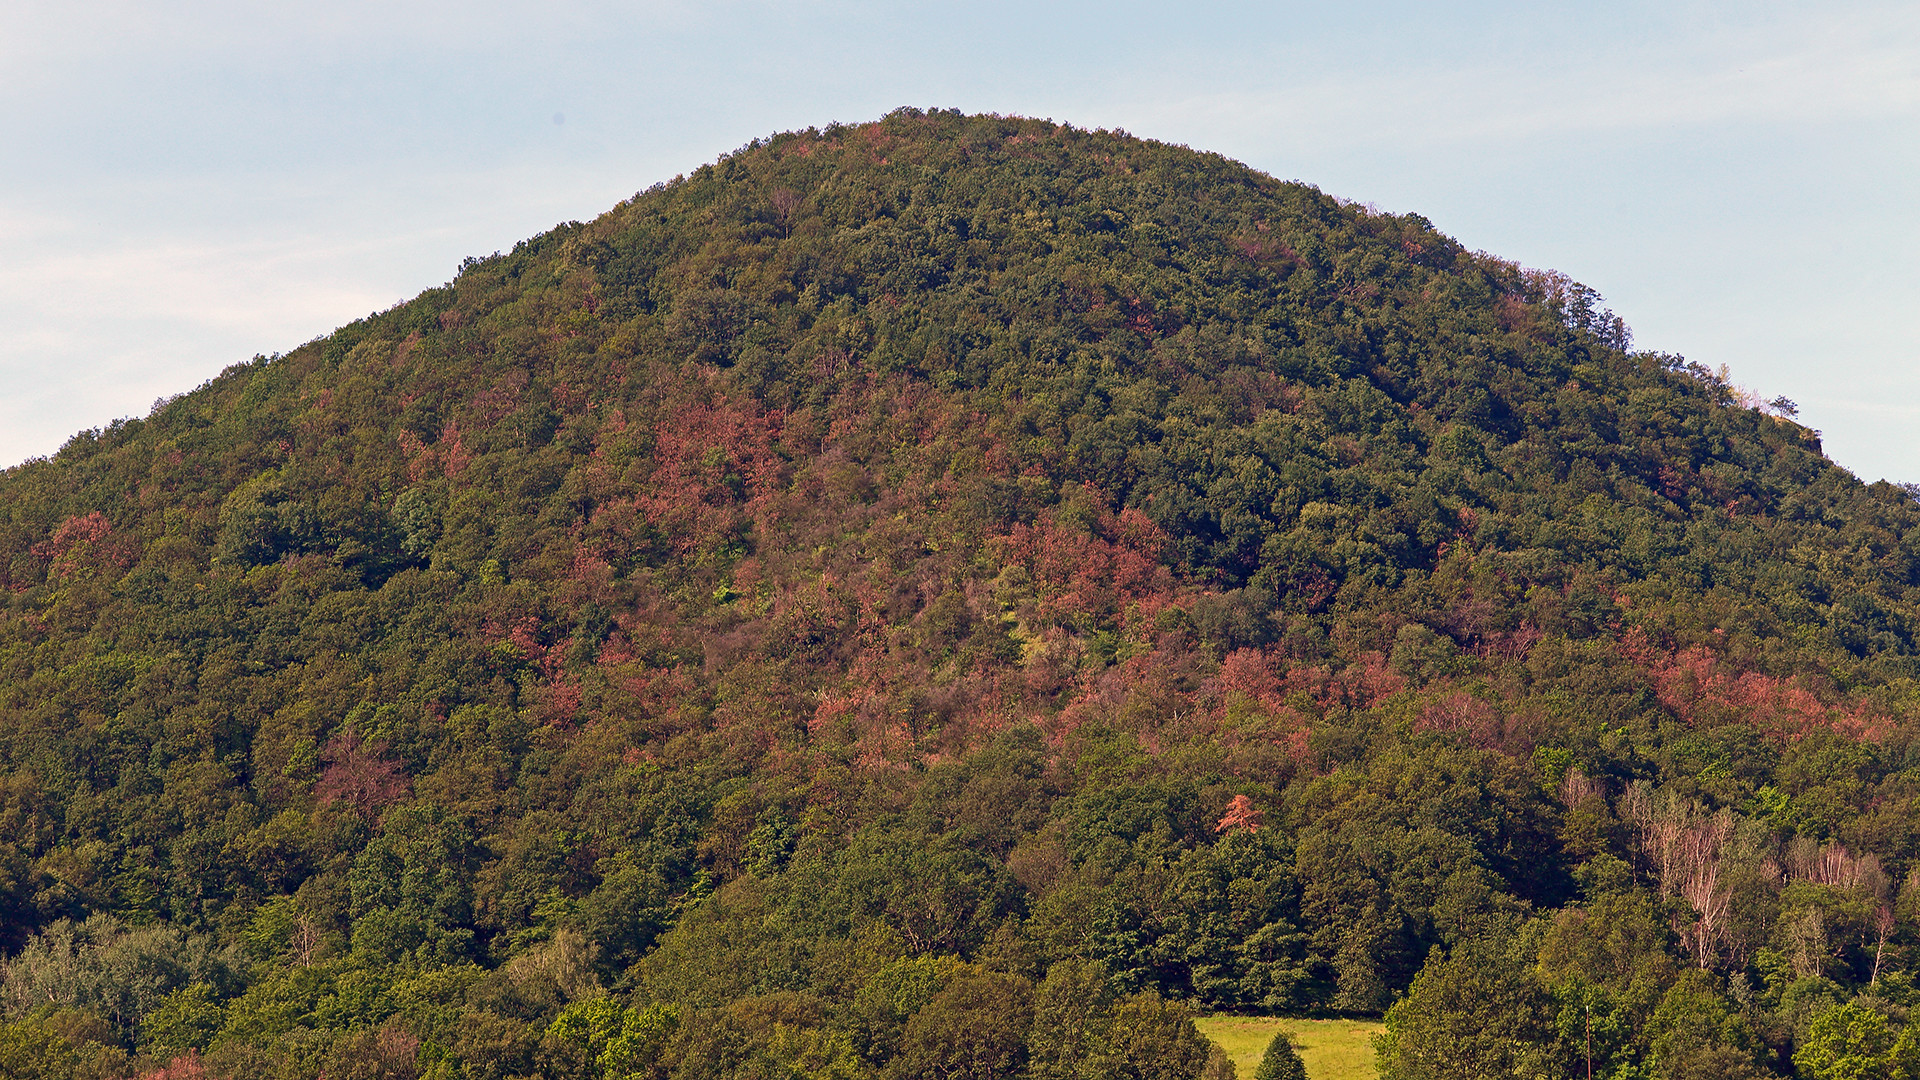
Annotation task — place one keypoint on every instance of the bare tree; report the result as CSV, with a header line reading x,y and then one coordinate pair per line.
x,y
1883,926
1697,865
1834,866
305,941
1709,899
1661,822
1808,936
1577,787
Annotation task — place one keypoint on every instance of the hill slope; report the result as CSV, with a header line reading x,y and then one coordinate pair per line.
x,y
882,581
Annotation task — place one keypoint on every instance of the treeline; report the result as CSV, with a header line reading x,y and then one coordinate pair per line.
x,y
956,596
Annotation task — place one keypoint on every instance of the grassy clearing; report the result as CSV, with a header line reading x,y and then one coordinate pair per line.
x,y
1332,1049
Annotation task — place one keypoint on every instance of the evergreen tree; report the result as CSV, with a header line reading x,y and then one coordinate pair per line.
x,y
1280,1062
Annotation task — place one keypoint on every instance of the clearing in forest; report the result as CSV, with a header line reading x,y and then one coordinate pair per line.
x,y
1331,1049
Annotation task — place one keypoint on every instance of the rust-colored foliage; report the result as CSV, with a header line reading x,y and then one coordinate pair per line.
x,y
359,775
187,1066
1241,814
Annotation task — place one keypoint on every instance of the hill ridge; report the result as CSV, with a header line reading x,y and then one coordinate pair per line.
x,y
988,557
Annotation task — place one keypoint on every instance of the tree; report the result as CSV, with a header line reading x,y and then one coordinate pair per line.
x,y
1473,1013
1219,1066
1847,1042
1153,1039
29,1051
1241,814
412,889
388,1053
1697,1032
1072,1020
601,1038
186,1019
975,1029
185,1067
1280,1062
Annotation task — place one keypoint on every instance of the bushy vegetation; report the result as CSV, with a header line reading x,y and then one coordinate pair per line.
x,y
1280,1062
954,596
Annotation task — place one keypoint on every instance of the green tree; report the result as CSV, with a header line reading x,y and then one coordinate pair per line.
x,y
1152,1039
891,996
1474,1012
29,1051
605,1039
1697,1032
1280,1062
1847,1042
1903,1061
1072,1021
121,973
975,1029
186,1019
412,889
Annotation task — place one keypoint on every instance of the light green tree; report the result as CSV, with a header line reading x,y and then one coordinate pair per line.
x,y
1854,1042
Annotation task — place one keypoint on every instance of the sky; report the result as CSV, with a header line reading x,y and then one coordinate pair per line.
x,y
186,185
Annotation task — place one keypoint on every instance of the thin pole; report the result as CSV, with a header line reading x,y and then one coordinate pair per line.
x,y
1589,1042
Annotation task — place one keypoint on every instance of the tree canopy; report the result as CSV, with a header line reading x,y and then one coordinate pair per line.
x,y
955,596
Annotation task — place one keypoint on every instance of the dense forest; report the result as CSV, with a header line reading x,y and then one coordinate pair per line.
x,y
957,597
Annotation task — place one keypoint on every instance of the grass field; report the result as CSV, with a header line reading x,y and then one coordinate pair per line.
x,y
1332,1049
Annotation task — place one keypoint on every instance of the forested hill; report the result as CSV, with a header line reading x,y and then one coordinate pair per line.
x,y
954,597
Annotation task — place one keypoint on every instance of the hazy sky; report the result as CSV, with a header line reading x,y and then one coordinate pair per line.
x,y
184,185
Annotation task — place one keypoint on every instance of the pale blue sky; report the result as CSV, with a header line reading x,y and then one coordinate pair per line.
x,y
187,184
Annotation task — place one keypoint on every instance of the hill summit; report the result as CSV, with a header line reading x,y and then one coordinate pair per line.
x,y
954,589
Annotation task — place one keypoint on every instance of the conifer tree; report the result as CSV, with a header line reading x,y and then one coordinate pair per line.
x,y
1280,1061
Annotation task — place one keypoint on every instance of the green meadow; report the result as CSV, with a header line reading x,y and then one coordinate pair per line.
x,y
1332,1049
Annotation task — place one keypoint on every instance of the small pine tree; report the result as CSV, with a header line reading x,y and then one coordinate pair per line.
x,y
1280,1062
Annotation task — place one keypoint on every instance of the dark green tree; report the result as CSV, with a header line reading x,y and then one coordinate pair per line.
x,y
975,1029
1475,1012
1281,1061
1072,1021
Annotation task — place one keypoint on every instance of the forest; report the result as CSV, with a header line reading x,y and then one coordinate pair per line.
x,y
960,597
